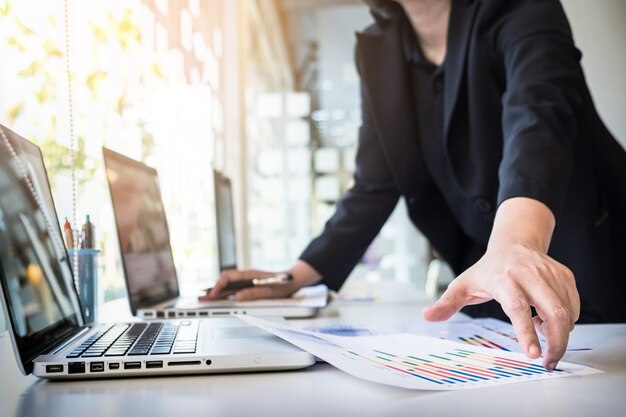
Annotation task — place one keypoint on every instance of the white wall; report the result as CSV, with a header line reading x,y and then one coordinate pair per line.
x,y
600,33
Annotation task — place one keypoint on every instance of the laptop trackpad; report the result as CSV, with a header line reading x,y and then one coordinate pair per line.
x,y
234,328
237,332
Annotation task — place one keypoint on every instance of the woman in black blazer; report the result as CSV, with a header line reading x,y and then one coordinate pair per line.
x,y
478,114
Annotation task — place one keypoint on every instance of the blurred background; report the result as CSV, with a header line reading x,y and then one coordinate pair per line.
x,y
265,91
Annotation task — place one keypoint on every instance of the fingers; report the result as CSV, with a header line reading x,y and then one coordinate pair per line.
x,y
220,289
555,325
453,300
548,362
274,291
552,354
554,320
537,322
228,276
573,298
519,277
517,308
557,309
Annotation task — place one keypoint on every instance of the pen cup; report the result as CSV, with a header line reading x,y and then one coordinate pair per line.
x,y
87,281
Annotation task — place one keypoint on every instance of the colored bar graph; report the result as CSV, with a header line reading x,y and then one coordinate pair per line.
x,y
421,362
478,340
457,366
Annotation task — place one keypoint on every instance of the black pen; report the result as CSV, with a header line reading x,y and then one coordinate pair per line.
x,y
277,279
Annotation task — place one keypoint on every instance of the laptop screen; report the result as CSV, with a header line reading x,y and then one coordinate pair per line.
x,y
39,296
225,219
142,231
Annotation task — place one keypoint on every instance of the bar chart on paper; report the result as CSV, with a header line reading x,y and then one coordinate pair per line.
x,y
462,332
506,333
458,366
418,362
488,333
466,332
478,340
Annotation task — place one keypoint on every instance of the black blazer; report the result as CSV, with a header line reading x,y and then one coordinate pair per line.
x,y
518,121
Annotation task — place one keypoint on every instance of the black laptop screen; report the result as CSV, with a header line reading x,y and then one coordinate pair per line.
x,y
37,283
142,231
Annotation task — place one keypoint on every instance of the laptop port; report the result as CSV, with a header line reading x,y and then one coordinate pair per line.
x,y
132,365
54,369
114,365
208,361
160,314
203,313
96,367
220,313
183,363
76,368
191,314
154,364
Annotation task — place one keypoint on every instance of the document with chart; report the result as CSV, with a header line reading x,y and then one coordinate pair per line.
x,y
418,362
485,332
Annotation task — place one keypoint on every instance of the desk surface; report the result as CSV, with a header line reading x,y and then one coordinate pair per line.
x,y
322,390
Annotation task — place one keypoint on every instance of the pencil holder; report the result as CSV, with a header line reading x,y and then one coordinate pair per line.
x,y
87,281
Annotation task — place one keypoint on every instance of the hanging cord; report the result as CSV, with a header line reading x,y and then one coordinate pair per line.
x,y
75,233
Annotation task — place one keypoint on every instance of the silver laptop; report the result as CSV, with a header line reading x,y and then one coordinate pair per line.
x,y
43,310
147,258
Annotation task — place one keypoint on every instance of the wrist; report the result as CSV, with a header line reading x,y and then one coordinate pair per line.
x,y
303,274
522,221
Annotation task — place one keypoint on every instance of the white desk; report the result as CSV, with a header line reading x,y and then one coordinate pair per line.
x,y
325,391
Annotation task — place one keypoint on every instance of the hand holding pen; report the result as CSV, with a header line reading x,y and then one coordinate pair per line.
x,y
274,285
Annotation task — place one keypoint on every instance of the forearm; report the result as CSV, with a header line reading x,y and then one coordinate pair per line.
x,y
524,221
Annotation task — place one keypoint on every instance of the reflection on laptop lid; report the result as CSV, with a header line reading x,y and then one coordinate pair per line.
x,y
225,221
41,303
142,231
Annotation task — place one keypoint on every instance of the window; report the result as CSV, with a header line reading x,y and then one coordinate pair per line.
x,y
146,81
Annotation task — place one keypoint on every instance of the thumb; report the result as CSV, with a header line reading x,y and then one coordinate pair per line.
x,y
453,300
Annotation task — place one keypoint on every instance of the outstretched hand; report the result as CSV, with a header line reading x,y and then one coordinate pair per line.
x,y
519,276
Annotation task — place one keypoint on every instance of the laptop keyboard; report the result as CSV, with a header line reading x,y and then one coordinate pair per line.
x,y
140,339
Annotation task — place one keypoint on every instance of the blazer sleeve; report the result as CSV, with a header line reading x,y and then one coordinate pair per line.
x,y
544,84
360,214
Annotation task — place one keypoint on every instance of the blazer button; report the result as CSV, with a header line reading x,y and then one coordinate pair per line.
x,y
483,206
411,200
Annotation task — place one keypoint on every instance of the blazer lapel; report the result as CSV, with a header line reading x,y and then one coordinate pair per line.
x,y
461,22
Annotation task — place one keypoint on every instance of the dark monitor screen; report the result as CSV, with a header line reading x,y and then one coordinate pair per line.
x,y
142,231
39,294
225,220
